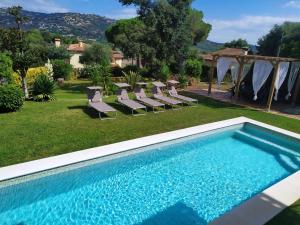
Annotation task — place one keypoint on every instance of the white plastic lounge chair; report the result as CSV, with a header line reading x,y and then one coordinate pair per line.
x,y
142,97
123,98
173,93
158,94
96,102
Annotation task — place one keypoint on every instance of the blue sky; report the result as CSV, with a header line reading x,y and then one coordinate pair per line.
x,y
231,19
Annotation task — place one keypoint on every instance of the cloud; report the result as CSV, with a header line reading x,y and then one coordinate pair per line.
x,y
293,4
248,27
47,6
124,13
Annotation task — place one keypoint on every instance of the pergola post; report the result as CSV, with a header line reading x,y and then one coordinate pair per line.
x,y
297,91
271,93
239,78
211,74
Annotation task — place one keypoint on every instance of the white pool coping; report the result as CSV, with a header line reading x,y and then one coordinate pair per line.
x,y
255,211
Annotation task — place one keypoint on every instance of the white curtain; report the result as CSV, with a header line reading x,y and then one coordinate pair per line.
x,y
223,65
282,72
261,72
235,70
292,78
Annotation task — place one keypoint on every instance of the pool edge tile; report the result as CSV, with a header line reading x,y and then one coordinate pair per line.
x,y
264,206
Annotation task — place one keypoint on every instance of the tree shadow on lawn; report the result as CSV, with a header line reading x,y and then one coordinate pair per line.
x,y
74,88
217,104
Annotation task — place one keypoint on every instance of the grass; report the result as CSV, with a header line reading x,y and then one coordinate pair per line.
x,y
65,125
46,129
289,216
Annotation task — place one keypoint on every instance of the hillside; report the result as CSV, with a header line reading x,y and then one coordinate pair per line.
x,y
209,46
86,26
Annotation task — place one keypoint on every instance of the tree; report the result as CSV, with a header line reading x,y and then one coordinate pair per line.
x,y
269,44
35,38
199,28
128,35
282,40
239,43
6,70
97,53
61,69
290,45
57,53
13,40
172,27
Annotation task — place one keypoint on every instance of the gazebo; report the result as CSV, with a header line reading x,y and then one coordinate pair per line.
x,y
243,59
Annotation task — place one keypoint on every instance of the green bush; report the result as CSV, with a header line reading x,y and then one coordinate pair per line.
x,y
97,53
61,69
101,75
164,73
11,98
193,68
133,68
43,88
132,78
6,71
117,72
183,81
205,73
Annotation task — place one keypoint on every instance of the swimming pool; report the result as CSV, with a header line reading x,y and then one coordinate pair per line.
x,y
190,180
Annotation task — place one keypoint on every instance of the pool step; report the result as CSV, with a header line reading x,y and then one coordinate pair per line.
x,y
258,141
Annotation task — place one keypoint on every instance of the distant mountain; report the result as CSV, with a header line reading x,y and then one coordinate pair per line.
x,y
85,26
209,46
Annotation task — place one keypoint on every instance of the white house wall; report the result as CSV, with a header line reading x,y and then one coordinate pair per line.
x,y
74,61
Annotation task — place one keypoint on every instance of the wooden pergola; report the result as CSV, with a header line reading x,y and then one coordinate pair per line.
x,y
244,59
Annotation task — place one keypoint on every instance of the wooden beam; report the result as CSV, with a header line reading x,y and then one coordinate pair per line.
x,y
211,75
297,90
271,93
239,78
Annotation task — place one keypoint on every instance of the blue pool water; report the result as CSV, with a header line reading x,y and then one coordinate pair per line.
x,y
188,182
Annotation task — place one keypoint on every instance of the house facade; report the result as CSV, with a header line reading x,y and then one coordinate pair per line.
x,y
76,51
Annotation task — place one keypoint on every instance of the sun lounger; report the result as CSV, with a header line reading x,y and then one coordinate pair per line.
x,y
173,93
142,97
123,98
96,102
157,94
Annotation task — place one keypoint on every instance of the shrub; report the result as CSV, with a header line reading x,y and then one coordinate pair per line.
x,y
164,73
97,53
132,78
6,70
43,88
183,80
133,68
145,72
31,75
117,72
101,75
11,98
205,73
193,68
61,69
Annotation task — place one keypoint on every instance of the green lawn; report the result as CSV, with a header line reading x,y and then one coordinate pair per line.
x,y
66,125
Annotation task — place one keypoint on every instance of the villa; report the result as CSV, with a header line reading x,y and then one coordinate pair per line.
x,y
76,50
